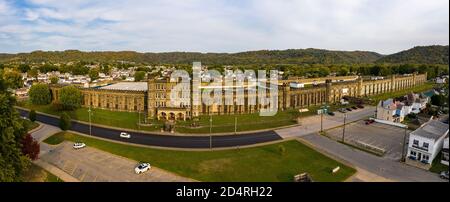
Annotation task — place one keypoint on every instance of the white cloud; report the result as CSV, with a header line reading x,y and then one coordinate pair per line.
x,y
385,26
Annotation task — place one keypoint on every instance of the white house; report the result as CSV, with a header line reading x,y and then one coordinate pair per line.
x,y
426,142
445,157
440,80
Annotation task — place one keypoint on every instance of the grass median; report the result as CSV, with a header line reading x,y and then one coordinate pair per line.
x,y
270,163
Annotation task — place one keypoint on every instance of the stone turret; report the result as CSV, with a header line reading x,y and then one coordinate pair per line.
x,y
328,83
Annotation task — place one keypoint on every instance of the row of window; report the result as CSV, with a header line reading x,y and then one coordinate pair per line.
x,y
425,145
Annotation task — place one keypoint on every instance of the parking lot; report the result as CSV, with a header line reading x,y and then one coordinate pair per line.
x,y
92,165
375,135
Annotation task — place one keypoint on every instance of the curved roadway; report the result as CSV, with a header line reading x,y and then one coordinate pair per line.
x,y
164,140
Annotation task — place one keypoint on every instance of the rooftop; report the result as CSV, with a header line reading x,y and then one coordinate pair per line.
x,y
131,86
432,129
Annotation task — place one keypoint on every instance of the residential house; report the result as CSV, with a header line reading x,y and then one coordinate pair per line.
x,y
426,142
445,157
387,110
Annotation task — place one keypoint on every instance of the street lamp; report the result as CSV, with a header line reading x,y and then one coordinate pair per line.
x,y
404,143
324,109
139,119
343,130
90,123
210,131
235,124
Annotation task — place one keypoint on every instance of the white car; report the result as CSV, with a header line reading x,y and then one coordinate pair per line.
x,y
125,135
142,167
79,145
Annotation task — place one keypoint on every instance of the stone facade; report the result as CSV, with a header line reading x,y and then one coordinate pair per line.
x,y
155,101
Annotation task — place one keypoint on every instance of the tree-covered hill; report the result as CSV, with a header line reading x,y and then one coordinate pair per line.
x,y
297,56
419,55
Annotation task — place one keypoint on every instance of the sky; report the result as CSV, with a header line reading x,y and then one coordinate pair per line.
x,y
383,26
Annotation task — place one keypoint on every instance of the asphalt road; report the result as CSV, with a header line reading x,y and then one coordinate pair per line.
x,y
165,140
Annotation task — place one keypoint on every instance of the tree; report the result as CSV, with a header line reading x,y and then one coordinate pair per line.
x,y
13,78
65,121
48,68
30,147
93,74
79,69
70,97
32,115
54,80
343,71
33,73
12,130
40,94
24,68
139,76
438,100
323,71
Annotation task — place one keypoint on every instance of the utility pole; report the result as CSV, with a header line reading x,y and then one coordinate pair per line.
x,y
235,125
90,123
343,130
404,143
139,119
210,131
321,121
89,112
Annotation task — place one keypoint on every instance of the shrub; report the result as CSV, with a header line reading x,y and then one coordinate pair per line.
x,y
32,115
40,94
30,147
65,121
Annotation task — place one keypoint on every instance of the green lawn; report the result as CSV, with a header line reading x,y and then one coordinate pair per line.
x,y
35,173
98,116
437,166
257,164
30,125
415,89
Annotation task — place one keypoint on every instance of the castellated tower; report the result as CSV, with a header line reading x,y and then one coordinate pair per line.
x,y
151,108
195,90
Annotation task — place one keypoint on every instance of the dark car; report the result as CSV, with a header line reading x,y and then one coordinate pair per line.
x,y
349,109
368,122
360,106
354,107
331,113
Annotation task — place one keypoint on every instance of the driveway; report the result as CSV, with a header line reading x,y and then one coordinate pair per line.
x,y
382,167
311,124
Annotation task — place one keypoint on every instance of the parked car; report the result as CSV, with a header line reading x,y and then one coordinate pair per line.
x,y
79,145
331,113
142,167
360,106
444,175
342,110
368,122
125,135
349,109
354,107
